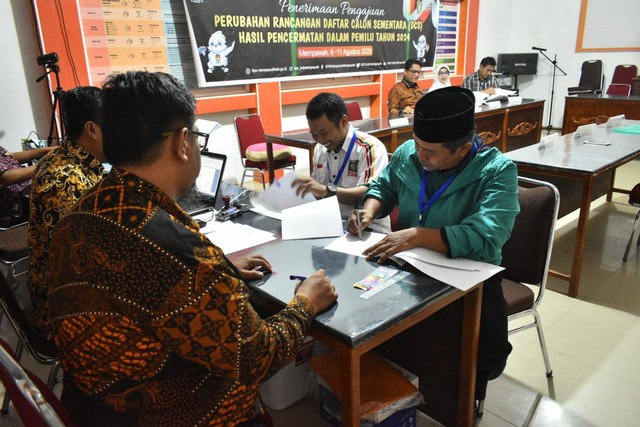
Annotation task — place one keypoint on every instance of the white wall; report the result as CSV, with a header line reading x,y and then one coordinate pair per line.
x,y
25,105
514,26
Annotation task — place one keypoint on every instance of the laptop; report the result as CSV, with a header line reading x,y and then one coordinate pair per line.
x,y
202,198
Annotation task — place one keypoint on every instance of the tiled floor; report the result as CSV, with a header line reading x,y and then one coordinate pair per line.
x,y
593,340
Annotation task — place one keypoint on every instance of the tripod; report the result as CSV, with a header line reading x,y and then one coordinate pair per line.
x,y
57,94
554,62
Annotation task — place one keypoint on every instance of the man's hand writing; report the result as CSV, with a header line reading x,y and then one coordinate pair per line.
x,y
318,289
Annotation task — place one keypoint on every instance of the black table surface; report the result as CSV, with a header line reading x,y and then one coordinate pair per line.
x,y
351,320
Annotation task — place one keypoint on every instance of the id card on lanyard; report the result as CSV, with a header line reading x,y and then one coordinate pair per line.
x,y
345,161
423,203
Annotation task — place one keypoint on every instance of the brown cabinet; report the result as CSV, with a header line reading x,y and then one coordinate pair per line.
x,y
510,127
586,109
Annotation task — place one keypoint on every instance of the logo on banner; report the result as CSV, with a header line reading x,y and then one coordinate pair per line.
x,y
352,168
419,10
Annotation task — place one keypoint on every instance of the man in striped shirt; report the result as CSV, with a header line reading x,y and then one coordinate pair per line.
x,y
483,80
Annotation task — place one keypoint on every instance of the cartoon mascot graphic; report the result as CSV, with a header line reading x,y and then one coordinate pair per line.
x,y
422,47
217,52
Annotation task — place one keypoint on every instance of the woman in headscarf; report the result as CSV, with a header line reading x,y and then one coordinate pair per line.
x,y
442,78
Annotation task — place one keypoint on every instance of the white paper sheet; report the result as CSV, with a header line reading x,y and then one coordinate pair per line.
x,y
460,273
232,237
207,126
279,196
312,220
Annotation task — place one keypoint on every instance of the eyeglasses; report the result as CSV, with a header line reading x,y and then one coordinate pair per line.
x,y
414,71
443,72
201,138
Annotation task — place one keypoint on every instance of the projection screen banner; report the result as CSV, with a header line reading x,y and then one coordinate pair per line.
x,y
246,40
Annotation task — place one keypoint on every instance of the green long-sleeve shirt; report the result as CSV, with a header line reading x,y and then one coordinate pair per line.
x,y
477,210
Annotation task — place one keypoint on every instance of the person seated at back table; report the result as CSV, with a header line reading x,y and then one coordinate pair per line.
x,y
404,94
15,182
345,160
153,324
442,78
483,79
59,181
455,196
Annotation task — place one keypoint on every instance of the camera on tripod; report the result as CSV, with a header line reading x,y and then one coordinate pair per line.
x,y
47,59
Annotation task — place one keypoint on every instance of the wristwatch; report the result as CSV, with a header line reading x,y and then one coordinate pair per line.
x,y
331,189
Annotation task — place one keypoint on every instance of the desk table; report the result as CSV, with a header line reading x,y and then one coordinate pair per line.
x,y
585,109
568,158
507,126
354,326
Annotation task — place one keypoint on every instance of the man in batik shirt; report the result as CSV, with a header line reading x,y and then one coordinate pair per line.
x,y
59,181
152,323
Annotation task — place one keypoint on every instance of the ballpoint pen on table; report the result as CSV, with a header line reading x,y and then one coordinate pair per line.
x,y
294,277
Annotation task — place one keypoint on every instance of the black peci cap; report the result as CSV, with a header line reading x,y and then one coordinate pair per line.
x,y
444,115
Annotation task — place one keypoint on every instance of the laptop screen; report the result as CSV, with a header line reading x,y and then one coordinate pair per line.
x,y
211,171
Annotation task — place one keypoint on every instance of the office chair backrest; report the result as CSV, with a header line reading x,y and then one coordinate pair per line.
x,y
619,89
249,131
624,74
526,254
37,406
355,113
591,74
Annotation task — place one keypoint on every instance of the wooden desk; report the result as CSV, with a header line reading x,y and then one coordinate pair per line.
x,y
508,127
585,109
354,326
569,159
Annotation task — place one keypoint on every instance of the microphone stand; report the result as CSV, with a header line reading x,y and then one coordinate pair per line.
x,y
57,94
554,62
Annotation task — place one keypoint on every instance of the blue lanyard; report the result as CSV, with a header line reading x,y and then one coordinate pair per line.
x,y
346,159
423,205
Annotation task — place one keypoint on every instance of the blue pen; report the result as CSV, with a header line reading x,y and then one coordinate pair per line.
x,y
301,278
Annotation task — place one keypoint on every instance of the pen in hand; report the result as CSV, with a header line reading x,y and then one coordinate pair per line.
x,y
357,209
294,277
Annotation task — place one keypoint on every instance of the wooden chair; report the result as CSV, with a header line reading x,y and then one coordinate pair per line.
x,y
526,257
251,136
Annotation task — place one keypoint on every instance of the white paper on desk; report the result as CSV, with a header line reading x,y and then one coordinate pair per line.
x,y
280,196
400,121
480,97
460,279
461,273
311,220
353,245
585,131
235,237
207,126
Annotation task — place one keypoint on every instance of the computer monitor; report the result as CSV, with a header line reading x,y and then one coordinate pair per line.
x,y
517,64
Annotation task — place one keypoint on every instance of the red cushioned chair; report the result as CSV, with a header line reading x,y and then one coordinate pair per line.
x,y
355,113
251,137
621,82
634,199
35,403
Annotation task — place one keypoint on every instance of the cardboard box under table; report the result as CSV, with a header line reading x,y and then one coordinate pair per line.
x,y
387,398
